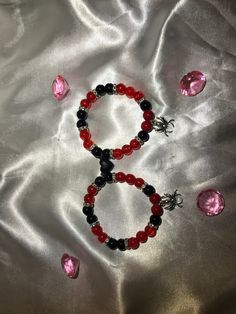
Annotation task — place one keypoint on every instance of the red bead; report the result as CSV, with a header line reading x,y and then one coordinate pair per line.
x,y
120,176
97,230
155,198
89,199
139,182
157,210
142,236
135,144
85,103
102,237
127,150
130,179
148,115
120,88
92,190
138,95
91,97
147,126
150,231
117,153
85,134
130,92
87,144
133,243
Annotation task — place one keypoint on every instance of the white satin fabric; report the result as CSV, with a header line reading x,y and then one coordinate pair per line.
x,y
190,266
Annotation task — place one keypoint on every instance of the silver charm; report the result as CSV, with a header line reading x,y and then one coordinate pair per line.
x,y
161,125
170,201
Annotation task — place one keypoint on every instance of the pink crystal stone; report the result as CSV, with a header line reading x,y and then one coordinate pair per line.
x,y
70,265
192,83
60,87
211,202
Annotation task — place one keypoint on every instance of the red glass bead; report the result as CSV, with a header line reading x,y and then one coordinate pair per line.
x,y
87,144
133,243
154,198
85,134
142,236
127,150
139,182
91,97
138,95
150,231
157,210
135,144
102,237
147,126
85,103
97,230
117,153
130,179
130,92
89,199
120,88
92,190
120,176
148,115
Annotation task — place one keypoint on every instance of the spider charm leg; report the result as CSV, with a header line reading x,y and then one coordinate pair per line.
x,y
170,201
161,125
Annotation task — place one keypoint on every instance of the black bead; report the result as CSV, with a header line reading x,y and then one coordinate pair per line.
x,y
155,220
81,123
109,88
143,135
121,244
82,114
149,190
108,177
96,151
92,218
100,182
106,154
112,244
88,210
145,105
101,90
106,165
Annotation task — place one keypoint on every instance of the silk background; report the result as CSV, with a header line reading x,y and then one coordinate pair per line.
x,y
190,266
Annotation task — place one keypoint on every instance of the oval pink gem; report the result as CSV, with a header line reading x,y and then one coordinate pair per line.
x,y
70,265
192,83
211,202
60,87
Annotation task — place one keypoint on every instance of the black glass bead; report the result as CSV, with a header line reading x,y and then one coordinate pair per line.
x,y
92,218
100,182
81,123
101,90
121,244
106,154
145,105
109,88
149,190
143,135
106,165
112,244
108,177
88,210
155,220
96,151
82,114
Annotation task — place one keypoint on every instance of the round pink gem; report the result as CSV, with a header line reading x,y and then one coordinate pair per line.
x,y
60,87
211,202
192,83
70,265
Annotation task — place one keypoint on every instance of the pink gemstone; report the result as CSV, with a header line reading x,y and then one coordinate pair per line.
x,y
211,202
192,83
70,265
60,87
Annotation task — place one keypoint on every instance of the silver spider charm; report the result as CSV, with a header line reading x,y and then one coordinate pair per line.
x,y
170,201
160,124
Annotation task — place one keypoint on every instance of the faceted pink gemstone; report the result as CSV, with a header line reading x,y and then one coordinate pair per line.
x,y
60,87
211,202
192,83
70,265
